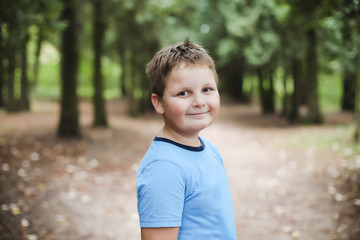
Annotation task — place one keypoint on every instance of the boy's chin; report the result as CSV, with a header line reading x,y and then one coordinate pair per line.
x,y
201,127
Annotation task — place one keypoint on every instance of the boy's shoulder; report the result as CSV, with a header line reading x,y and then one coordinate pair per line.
x,y
160,151
208,143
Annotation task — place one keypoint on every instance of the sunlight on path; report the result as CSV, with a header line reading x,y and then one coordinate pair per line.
x,y
103,208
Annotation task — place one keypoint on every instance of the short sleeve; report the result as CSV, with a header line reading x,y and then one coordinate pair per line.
x,y
160,194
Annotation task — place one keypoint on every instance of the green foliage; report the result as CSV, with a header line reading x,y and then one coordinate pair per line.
x,y
111,72
84,88
252,30
48,86
227,47
330,92
261,31
49,80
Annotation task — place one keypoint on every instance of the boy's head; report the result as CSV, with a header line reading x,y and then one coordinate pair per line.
x,y
176,55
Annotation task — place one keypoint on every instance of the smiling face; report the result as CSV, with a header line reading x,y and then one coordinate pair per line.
x,y
190,101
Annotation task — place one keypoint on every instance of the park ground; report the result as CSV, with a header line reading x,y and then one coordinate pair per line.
x,y
288,181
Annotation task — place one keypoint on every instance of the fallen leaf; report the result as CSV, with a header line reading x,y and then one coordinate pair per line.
x,y
42,187
25,223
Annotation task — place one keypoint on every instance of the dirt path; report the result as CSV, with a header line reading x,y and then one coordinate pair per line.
x,y
58,189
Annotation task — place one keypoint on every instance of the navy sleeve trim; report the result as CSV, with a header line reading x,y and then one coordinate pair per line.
x,y
190,148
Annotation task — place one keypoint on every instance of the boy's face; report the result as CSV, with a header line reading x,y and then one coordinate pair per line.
x,y
190,100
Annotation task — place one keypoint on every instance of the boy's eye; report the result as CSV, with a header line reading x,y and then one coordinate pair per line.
x,y
183,93
207,89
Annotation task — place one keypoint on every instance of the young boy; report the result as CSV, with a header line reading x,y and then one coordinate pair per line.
x,y
182,187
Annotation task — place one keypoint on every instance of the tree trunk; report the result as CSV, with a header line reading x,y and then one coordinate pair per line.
x,y
11,104
349,74
357,105
2,73
146,92
266,89
270,92
233,75
24,99
357,112
314,115
69,116
348,94
261,88
286,98
122,79
134,98
37,55
98,38
296,70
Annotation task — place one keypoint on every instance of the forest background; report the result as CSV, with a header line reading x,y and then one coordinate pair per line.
x,y
297,58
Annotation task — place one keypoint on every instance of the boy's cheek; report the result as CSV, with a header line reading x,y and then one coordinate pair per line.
x,y
176,107
178,111
215,104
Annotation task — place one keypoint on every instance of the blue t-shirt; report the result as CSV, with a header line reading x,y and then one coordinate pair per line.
x,y
186,187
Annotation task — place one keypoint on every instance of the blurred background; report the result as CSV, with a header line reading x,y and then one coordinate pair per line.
x,y
73,90
288,54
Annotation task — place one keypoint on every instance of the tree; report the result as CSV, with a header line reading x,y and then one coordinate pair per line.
x,y
69,115
136,48
357,111
349,71
24,99
46,18
15,20
251,27
2,75
314,114
297,76
291,60
310,13
232,74
11,52
349,12
266,88
98,41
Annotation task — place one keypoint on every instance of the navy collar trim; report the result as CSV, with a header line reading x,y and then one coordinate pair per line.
x,y
194,149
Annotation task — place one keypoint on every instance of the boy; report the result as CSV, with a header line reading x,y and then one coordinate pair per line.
x,y
182,187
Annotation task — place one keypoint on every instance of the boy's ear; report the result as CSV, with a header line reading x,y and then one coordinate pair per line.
x,y
156,102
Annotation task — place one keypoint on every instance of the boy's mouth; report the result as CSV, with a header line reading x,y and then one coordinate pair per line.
x,y
198,113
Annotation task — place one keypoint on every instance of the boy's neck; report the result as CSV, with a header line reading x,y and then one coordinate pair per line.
x,y
192,141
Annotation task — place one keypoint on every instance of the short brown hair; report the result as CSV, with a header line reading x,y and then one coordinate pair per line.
x,y
170,57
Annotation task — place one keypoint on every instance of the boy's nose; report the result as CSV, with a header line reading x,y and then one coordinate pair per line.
x,y
198,101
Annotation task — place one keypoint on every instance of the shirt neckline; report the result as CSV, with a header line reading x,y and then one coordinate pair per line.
x,y
187,147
